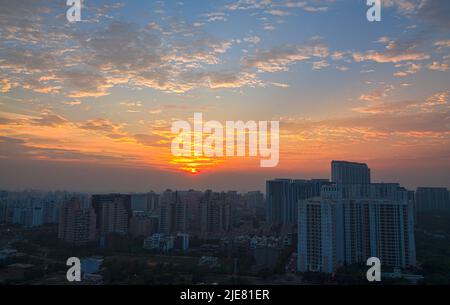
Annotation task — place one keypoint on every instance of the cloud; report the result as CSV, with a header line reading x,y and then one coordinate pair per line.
x,y
73,103
435,12
49,119
403,6
439,66
80,64
17,148
277,60
389,57
215,16
102,125
252,39
378,94
440,98
442,44
278,13
376,105
5,85
274,7
319,65
385,107
411,68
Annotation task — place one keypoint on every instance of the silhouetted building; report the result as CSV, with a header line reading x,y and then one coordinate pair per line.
x,y
432,199
345,172
148,202
142,224
113,213
283,195
215,211
172,213
76,222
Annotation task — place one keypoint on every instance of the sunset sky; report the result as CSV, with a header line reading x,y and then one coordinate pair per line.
x,y
88,106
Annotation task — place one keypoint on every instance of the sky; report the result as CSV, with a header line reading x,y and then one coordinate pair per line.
x,y
88,106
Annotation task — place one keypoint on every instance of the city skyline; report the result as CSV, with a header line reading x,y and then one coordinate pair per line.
x,y
87,106
300,231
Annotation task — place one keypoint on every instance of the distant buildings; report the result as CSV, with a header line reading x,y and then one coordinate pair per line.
x,y
348,223
165,243
173,213
283,195
215,213
113,213
148,202
181,241
345,172
31,208
143,224
76,223
432,199
255,202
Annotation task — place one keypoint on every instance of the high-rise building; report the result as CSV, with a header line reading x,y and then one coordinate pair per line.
x,y
348,224
353,220
28,213
432,199
172,213
192,200
147,202
378,221
280,208
283,195
345,172
3,206
113,213
76,222
215,210
317,232
255,202
143,224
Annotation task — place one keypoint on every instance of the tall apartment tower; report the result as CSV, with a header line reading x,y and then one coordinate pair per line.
x,y
173,213
76,223
350,223
113,213
283,195
215,213
345,172
317,231
279,206
378,221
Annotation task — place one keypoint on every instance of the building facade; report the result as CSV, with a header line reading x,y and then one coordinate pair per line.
x,y
348,224
113,213
76,223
